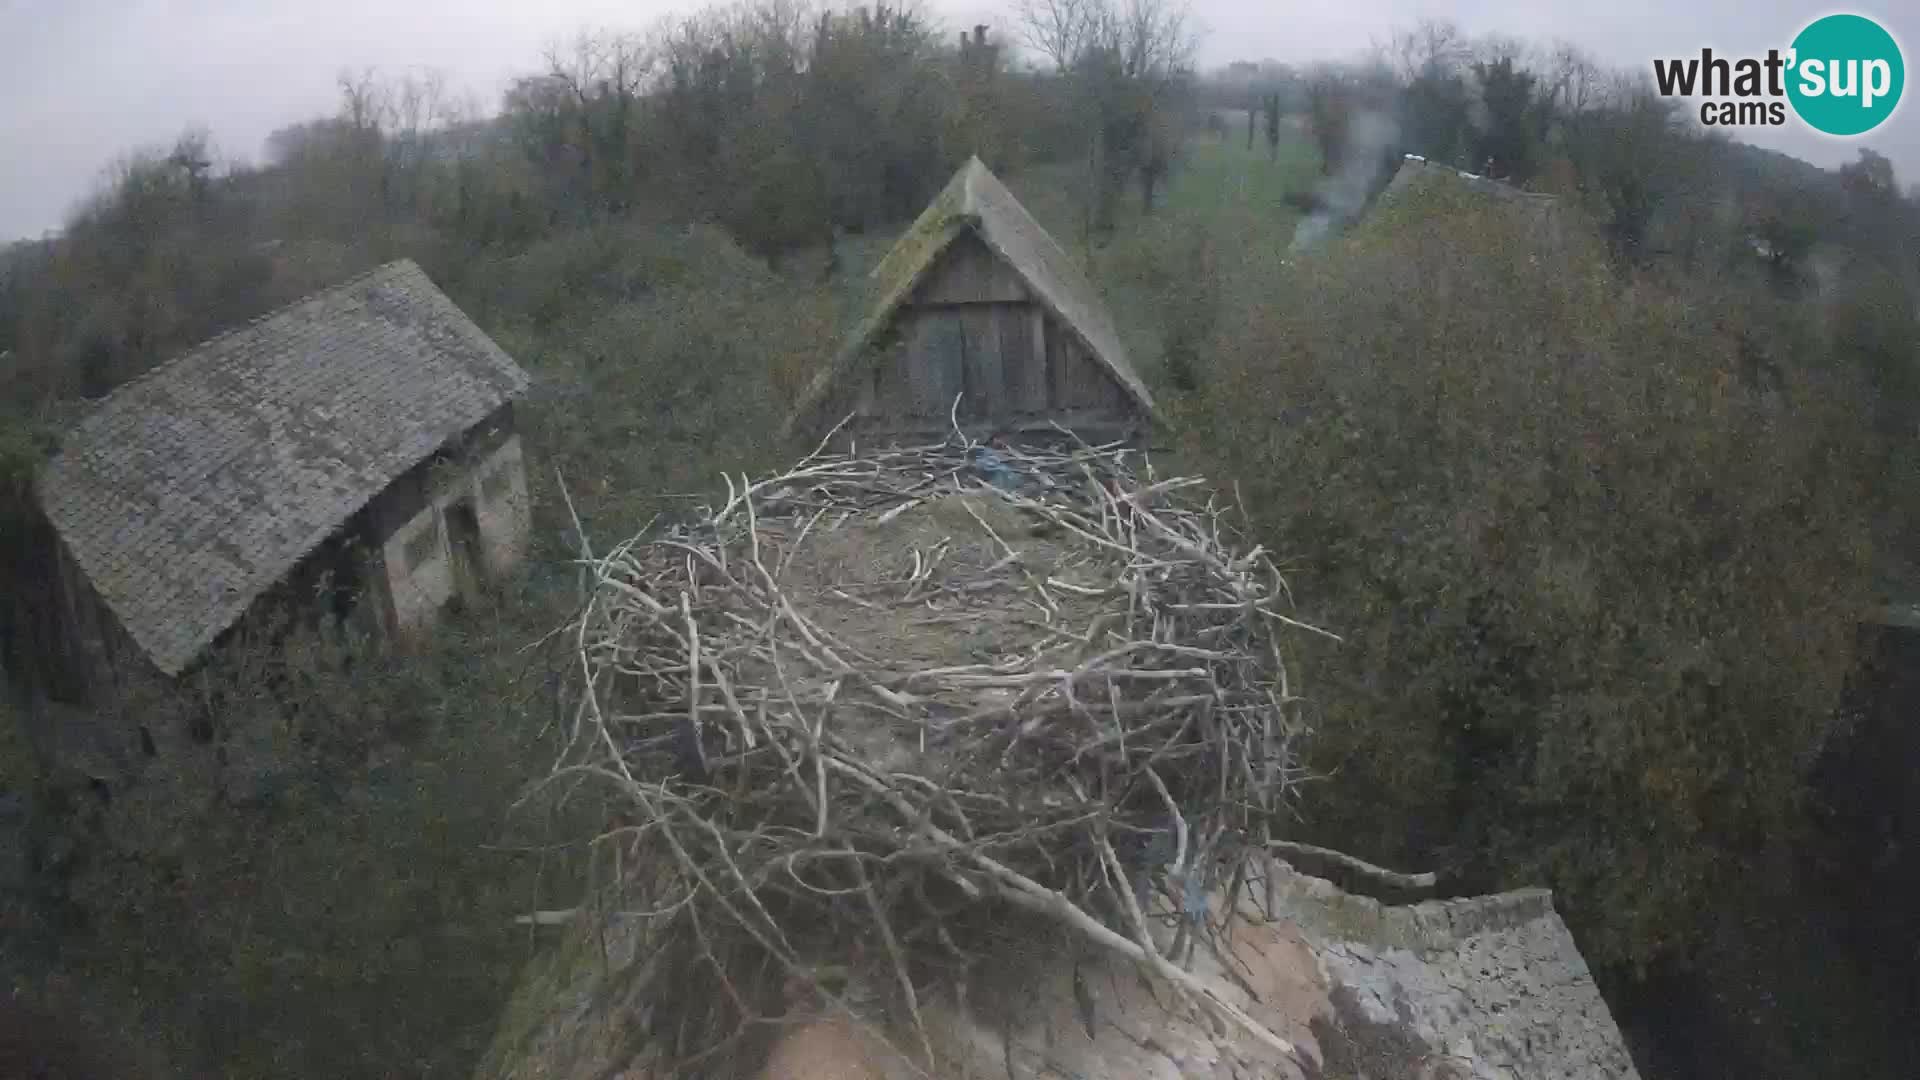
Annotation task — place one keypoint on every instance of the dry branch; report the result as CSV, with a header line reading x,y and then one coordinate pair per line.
x,y
1379,874
817,754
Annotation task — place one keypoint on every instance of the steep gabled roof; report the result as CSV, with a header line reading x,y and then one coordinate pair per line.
x,y
976,201
191,490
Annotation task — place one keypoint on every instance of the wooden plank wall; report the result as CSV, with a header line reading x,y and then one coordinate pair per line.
x,y
972,325
970,273
1080,384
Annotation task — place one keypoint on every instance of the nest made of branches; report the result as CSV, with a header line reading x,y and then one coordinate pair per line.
x,y
864,708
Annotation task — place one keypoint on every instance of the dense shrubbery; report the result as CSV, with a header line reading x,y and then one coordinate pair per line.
x,y
1597,574
319,889
296,896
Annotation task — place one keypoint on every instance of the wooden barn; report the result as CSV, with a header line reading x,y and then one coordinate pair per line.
x,y
980,317
353,451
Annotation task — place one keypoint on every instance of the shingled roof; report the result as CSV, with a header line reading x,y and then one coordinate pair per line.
x,y
976,201
193,489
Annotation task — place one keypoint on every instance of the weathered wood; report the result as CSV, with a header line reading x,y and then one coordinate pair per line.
x,y
1093,427
1087,385
1025,375
892,393
985,375
935,357
970,273
1041,388
1058,388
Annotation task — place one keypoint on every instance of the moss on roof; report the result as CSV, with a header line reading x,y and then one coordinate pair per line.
x,y
975,200
191,490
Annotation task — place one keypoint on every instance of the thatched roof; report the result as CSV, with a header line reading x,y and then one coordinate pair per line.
x,y
976,201
193,489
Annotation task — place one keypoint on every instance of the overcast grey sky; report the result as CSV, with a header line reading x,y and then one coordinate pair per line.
x,y
83,81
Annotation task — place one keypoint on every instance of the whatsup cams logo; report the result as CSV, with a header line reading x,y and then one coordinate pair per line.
x,y
1842,76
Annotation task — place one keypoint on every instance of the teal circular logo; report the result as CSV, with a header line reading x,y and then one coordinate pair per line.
x,y
1846,76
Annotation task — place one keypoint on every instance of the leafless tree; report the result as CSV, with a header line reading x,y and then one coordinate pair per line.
x,y
1126,61
600,64
1157,38
1429,46
1060,30
1571,79
365,101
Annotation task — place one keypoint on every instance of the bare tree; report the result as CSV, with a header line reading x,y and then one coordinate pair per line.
x,y
1060,30
1127,63
1570,78
1156,37
1429,47
602,76
365,103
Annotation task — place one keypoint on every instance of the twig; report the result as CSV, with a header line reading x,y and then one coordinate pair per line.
x,y
833,764
1380,874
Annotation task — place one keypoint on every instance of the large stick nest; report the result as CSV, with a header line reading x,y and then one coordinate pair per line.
x,y
865,708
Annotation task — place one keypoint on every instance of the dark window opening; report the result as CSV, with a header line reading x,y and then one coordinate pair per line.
x,y
463,545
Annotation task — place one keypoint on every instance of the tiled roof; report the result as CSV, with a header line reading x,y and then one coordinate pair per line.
x,y
976,200
192,489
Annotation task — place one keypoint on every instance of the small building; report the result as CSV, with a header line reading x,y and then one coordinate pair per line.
x,y
980,318
1419,178
354,450
1416,171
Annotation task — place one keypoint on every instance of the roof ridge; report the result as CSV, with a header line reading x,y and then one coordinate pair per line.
x,y
243,327
206,473
1056,278
1039,229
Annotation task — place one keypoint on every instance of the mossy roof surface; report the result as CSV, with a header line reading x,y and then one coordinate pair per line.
x,y
976,200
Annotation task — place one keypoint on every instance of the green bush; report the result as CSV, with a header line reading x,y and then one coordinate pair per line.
x,y
667,360
320,887
1597,589
302,895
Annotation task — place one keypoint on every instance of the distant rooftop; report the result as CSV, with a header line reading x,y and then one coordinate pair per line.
x,y
1415,169
191,490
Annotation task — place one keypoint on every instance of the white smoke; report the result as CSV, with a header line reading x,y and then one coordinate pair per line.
x,y
1343,194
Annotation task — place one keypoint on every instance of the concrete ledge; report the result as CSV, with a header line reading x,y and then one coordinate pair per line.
x,y
1319,906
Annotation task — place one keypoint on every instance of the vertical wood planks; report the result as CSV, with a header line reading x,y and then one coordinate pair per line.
x,y
1059,389
892,393
1025,372
1083,384
970,273
935,353
985,377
